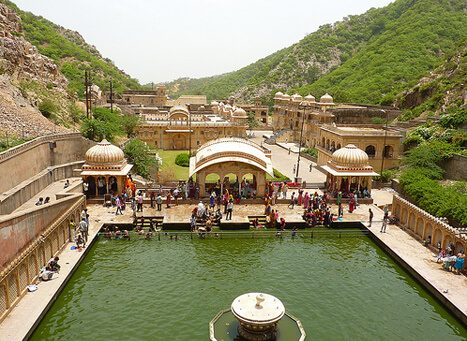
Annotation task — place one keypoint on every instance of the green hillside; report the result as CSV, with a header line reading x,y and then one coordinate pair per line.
x,y
69,50
366,58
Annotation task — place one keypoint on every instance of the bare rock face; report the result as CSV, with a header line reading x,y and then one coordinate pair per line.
x,y
20,59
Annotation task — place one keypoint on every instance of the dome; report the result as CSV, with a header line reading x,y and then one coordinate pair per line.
x,y
326,99
286,97
201,108
239,112
278,95
214,103
350,155
310,98
297,98
104,152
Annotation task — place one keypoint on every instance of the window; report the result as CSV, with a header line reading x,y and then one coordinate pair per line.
x,y
202,132
198,143
370,150
155,143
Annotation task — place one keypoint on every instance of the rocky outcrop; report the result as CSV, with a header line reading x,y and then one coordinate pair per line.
x,y
19,59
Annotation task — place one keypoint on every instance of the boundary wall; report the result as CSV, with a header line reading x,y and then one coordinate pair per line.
x,y
25,161
34,255
423,224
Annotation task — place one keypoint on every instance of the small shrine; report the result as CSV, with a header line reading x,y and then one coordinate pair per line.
x,y
349,171
105,170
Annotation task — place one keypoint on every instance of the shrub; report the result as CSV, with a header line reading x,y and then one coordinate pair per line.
x,y
183,160
278,176
46,107
311,151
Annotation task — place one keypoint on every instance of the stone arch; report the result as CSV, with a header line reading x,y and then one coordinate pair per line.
x,y
48,250
397,210
92,186
211,185
447,240
3,303
323,141
63,234
247,190
437,237
428,231
370,150
327,144
55,243
459,247
420,226
41,256
23,277
338,146
411,223
12,288
404,216
388,152
32,265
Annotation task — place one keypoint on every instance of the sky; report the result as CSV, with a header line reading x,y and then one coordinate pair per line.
x,y
158,41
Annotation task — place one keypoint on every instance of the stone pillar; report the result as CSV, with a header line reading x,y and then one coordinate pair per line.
x,y
201,178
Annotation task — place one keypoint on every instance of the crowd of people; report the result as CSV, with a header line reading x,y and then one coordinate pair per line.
x,y
448,258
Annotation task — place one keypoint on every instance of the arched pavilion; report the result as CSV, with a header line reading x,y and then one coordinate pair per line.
x,y
349,170
105,169
236,156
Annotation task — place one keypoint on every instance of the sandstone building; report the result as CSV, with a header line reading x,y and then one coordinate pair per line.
x,y
320,130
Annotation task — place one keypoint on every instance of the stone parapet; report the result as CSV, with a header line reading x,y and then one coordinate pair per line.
x,y
28,259
424,224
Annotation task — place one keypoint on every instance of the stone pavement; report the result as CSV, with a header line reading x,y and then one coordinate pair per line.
x,y
49,191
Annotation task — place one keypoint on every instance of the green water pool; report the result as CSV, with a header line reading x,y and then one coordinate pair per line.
x,y
340,289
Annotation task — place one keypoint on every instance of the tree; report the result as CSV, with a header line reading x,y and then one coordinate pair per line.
x,y
138,154
130,122
96,130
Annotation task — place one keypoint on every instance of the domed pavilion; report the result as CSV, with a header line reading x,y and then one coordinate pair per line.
x,y
349,171
231,156
105,169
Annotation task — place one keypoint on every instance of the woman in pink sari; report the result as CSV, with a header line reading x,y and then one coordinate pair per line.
x,y
300,197
351,203
306,200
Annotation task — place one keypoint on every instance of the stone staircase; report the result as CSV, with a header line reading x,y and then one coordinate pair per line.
x,y
147,222
273,138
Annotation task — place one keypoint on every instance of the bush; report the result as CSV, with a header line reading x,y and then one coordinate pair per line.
x,y
311,151
278,176
183,160
46,108
137,153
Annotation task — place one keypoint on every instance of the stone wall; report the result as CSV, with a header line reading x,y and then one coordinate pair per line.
x,y
424,224
24,268
17,196
456,168
20,163
20,229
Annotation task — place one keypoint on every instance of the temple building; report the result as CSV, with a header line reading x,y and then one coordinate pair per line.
x,y
349,171
105,170
188,127
231,156
318,121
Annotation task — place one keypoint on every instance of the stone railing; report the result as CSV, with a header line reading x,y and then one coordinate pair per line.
x,y
33,143
400,205
24,269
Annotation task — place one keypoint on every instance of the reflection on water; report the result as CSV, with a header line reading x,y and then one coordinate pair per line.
x,y
340,288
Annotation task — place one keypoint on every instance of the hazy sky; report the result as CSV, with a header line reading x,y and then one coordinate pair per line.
x,y
164,40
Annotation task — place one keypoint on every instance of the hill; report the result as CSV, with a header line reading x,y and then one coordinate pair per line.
x,y
72,54
367,58
441,91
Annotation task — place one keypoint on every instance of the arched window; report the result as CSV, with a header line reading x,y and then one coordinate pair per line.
x,y
370,150
388,152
